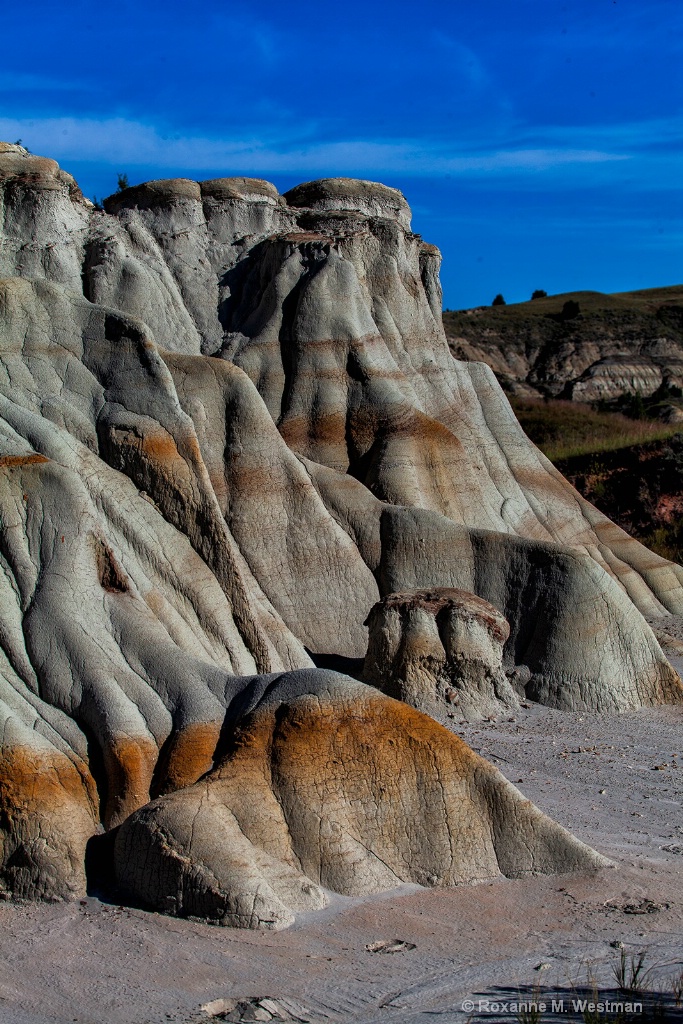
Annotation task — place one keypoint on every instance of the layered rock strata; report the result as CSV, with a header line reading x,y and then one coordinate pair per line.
x,y
229,424
623,344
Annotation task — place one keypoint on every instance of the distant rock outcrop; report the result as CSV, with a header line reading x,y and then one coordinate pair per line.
x,y
229,425
625,344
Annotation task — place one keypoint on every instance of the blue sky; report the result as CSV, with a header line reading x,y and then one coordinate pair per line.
x,y
538,142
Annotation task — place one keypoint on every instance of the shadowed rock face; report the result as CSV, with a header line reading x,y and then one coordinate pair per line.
x,y
230,424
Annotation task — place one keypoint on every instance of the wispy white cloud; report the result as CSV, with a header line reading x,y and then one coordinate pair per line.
x,y
119,142
531,159
464,59
632,135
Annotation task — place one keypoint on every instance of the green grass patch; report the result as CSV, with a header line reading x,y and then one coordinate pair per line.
x,y
647,309
563,429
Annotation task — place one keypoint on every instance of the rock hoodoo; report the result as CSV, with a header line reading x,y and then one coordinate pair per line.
x,y
230,424
336,195
439,649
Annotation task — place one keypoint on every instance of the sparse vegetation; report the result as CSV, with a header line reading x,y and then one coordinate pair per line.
x,y
650,311
631,469
637,997
666,540
630,973
571,309
646,300
677,988
564,429
530,1008
638,406
591,1014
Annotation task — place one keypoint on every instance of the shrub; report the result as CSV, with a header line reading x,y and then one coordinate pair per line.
x,y
570,310
539,294
499,300
122,183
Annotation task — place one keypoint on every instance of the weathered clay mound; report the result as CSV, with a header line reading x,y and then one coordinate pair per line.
x,y
154,193
562,649
440,649
255,189
229,424
20,169
171,191
327,784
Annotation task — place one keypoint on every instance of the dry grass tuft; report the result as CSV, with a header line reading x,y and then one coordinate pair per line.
x,y
564,429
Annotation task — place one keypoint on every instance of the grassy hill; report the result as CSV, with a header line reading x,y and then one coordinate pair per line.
x,y
647,301
578,345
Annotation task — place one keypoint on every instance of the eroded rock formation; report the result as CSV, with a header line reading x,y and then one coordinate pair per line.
x,y
328,784
440,649
230,424
623,344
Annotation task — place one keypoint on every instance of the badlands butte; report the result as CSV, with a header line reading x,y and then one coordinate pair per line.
x,y
260,531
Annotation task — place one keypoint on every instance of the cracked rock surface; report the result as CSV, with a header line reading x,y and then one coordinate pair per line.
x,y
331,785
229,425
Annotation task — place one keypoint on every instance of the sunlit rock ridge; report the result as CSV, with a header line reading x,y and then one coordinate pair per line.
x,y
230,426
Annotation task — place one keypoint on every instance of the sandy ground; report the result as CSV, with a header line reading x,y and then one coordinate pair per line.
x,y
613,780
